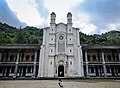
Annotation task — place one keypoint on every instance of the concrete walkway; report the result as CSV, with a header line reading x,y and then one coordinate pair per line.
x,y
87,83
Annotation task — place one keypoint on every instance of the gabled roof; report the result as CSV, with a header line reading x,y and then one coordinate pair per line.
x,y
61,23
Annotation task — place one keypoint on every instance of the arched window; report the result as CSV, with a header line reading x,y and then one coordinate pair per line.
x,y
12,58
94,58
27,58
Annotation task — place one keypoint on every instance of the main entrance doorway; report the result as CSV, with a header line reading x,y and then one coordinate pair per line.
x,y
60,71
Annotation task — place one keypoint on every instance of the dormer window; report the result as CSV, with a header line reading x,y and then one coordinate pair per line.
x,y
69,29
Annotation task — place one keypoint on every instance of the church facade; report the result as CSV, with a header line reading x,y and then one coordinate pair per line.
x,y
60,55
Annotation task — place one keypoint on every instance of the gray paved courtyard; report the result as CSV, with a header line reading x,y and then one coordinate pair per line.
x,y
94,83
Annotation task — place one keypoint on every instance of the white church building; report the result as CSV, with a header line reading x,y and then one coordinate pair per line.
x,y
61,54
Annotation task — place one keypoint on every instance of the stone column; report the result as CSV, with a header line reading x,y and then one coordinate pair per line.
x,y
16,67
34,69
56,66
86,60
41,62
0,56
79,62
104,66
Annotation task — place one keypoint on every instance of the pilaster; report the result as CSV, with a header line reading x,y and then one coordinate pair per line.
x,y
79,62
16,67
41,62
34,69
104,66
86,60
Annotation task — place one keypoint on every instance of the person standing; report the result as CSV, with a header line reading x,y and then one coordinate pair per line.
x,y
60,83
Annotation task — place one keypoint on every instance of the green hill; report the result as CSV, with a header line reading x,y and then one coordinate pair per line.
x,y
108,38
33,35
27,35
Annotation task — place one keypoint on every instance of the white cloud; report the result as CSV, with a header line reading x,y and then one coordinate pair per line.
x,y
26,11
113,26
61,8
82,20
87,28
35,13
8,16
104,14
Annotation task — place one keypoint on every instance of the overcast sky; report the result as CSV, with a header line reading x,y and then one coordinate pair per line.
x,y
91,16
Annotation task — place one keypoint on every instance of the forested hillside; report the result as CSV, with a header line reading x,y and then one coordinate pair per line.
x,y
33,35
27,35
108,38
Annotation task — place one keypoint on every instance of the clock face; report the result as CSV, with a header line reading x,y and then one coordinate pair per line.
x,y
61,37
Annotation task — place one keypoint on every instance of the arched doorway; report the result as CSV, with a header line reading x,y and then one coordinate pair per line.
x,y
60,71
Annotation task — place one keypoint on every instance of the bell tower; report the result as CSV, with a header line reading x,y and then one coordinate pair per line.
x,y
69,18
53,16
52,23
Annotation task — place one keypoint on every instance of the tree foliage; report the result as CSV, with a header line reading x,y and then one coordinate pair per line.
x,y
27,35
108,38
33,35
